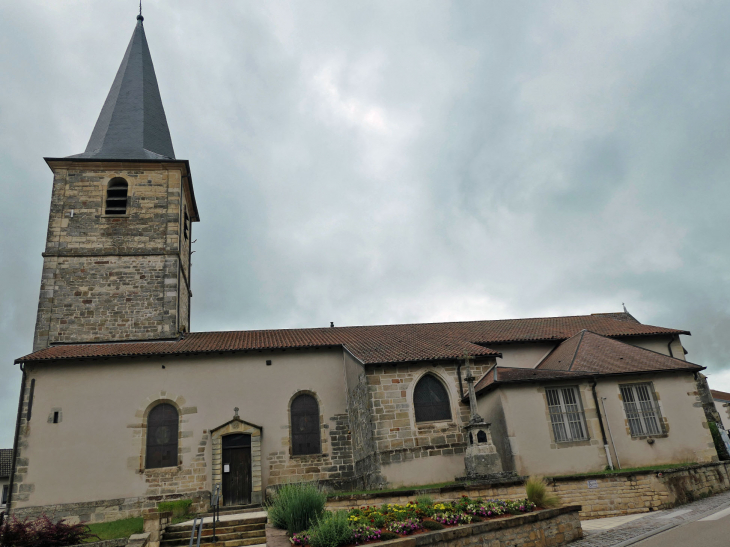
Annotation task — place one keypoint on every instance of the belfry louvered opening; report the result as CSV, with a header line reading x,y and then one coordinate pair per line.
x,y
116,197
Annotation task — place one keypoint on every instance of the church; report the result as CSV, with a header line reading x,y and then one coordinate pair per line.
x,y
121,406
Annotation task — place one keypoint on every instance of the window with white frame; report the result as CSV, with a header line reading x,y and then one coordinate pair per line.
x,y
642,409
566,414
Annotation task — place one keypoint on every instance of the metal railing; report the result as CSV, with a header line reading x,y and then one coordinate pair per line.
x,y
197,527
215,504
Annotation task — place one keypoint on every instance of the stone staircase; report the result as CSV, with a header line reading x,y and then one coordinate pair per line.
x,y
233,530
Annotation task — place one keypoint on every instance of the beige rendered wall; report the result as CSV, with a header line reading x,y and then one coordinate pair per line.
x,y
530,433
659,344
96,453
522,355
723,407
536,452
688,437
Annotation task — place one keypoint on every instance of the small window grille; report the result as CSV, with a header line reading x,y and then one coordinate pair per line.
x,y
566,414
185,225
162,429
55,417
305,425
431,401
642,409
116,197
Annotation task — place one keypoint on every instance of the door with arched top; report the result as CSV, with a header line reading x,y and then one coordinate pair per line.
x,y
236,469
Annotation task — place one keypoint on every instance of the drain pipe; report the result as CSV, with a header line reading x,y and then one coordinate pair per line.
x,y
600,423
461,386
618,461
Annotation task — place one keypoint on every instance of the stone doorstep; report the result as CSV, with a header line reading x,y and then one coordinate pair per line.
x,y
227,520
221,536
170,534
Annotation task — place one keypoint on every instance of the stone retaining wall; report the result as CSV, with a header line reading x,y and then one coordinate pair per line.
x,y
599,495
548,528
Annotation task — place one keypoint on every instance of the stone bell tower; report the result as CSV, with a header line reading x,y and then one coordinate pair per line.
x,y
117,259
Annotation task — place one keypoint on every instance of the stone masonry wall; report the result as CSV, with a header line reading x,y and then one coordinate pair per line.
x,y
364,450
332,468
599,495
101,271
396,434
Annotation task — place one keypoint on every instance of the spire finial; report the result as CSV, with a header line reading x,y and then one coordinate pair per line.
x,y
624,305
139,17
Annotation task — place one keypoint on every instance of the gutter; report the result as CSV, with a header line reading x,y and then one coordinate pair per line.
x,y
600,422
9,504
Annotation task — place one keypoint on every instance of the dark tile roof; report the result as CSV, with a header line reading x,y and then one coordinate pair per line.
x,y
6,462
720,395
132,123
587,354
373,344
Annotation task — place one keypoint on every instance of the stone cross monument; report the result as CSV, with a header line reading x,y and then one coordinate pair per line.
x,y
481,459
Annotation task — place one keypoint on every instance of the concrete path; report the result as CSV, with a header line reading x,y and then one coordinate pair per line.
x,y
632,529
226,518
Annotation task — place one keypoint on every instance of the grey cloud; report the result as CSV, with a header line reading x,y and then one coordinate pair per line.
x,y
377,162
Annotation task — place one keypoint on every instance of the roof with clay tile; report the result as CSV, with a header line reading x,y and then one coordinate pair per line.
x,y
588,354
370,344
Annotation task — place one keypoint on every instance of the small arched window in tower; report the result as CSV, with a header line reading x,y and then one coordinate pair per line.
x,y
430,400
162,427
186,222
305,425
116,197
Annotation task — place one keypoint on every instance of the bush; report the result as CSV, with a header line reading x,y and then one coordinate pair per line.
x,y
296,506
331,530
179,508
43,532
722,452
424,500
386,536
432,525
537,493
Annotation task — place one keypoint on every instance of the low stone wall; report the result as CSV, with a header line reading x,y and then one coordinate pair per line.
x,y
548,528
109,510
121,542
600,495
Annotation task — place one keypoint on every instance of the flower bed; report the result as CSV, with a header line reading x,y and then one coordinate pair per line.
x,y
390,521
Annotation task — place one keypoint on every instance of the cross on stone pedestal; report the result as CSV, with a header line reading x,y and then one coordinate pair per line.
x,y
474,417
235,412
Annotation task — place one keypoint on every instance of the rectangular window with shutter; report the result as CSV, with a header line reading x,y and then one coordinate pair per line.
x,y
642,409
566,414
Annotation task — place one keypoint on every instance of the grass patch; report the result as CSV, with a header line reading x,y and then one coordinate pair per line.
x,y
394,490
117,528
538,493
665,467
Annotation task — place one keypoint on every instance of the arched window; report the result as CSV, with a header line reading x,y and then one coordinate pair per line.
x,y
305,425
116,197
430,400
162,425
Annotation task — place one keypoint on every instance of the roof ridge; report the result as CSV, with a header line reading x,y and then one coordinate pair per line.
x,y
577,347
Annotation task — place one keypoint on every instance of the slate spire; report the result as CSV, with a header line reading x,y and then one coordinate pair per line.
x,y
132,123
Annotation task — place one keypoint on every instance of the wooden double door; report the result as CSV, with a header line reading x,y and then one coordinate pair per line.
x,y
237,469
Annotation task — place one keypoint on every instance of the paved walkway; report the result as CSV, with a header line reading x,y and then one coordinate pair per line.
x,y
630,529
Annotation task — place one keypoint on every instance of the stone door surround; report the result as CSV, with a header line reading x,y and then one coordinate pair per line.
x,y
237,425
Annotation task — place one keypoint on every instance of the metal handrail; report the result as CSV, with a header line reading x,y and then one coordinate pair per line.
x,y
215,504
199,528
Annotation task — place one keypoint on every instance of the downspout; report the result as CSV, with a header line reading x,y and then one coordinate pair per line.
x,y
15,441
669,346
618,461
600,423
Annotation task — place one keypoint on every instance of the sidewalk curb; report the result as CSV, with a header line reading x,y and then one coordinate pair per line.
x,y
646,535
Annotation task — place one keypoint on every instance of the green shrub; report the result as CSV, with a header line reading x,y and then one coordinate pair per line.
x,y
719,444
385,536
432,525
379,521
331,530
295,507
424,500
537,493
179,508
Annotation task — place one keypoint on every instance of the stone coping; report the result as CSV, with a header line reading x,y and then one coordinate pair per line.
x,y
119,542
517,481
451,534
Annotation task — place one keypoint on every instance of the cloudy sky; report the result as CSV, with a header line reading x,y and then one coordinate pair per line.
x,y
384,162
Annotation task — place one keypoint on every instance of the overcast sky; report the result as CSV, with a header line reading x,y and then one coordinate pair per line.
x,y
385,162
